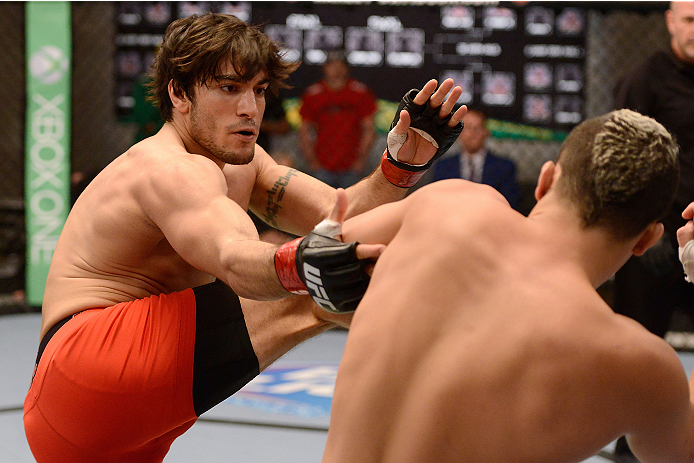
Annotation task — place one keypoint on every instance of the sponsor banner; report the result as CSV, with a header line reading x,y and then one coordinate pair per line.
x,y
505,129
47,136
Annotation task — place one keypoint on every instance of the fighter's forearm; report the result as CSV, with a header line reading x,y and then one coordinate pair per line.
x,y
378,226
248,267
371,192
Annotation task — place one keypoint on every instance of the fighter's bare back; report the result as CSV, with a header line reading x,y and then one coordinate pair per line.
x,y
484,347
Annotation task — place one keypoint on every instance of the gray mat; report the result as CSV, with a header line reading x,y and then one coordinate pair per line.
x,y
281,417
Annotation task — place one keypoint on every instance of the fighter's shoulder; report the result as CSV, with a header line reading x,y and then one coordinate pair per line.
x,y
460,206
653,391
656,381
459,190
171,169
644,356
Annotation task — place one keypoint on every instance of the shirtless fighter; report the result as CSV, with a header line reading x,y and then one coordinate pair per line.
x,y
481,337
161,301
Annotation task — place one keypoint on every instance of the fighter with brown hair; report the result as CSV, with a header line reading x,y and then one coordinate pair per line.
x,y
161,301
482,338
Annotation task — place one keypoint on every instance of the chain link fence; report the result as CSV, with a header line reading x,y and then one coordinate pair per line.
x,y
617,41
13,99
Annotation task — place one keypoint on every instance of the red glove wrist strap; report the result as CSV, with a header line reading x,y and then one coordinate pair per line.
x,y
397,176
285,265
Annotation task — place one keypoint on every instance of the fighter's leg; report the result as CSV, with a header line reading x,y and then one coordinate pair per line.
x,y
115,384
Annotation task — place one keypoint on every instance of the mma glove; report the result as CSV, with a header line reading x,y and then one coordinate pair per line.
x,y
427,123
325,268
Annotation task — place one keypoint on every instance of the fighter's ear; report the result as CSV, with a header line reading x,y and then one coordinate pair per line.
x,y
545,179
648,238
178,97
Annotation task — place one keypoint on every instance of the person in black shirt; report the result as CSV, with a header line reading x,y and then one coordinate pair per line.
x,y
652,287
663,88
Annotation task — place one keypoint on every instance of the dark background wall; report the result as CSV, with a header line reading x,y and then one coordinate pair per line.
x,y
616,41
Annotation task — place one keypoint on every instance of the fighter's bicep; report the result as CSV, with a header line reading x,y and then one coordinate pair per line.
x,y
209,222
195,215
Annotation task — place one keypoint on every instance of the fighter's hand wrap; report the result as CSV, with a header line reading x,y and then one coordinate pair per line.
x,y
425,120
325,268
686,254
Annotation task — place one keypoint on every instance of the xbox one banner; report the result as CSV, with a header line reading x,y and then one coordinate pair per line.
x,y
47,132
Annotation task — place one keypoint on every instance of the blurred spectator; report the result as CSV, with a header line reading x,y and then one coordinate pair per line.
x,y
477,164
337,127
274,121
651,288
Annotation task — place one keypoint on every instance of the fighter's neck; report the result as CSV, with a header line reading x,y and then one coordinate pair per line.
x,y
593,249
177,133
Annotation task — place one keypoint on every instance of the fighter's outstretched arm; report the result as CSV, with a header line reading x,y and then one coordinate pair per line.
x,y
295,202
187,200
685,239
377,226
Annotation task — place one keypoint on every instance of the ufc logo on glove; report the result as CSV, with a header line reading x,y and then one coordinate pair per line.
x,y
315,287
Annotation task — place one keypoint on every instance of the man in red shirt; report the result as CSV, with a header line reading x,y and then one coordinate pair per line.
x,y
337,127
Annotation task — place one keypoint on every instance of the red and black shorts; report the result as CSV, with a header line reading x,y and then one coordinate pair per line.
x,y
119,384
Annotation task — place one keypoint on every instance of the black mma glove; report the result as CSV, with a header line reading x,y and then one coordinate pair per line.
x,y
324,267
426,119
